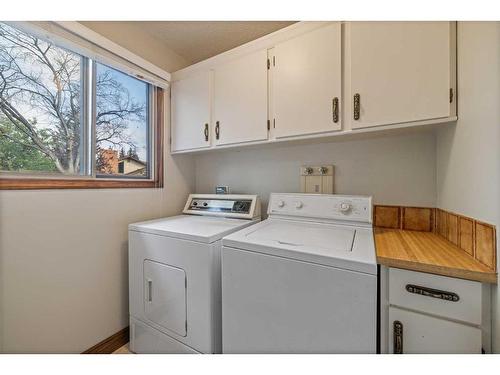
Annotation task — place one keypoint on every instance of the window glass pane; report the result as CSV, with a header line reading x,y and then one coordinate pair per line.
x,y
122,124
40,105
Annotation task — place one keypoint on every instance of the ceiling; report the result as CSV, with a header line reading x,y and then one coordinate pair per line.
x,y
199,40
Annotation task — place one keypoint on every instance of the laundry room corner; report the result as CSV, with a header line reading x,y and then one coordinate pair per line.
x,y
63,253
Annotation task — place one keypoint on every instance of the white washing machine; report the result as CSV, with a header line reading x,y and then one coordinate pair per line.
x,y
304,280
174,274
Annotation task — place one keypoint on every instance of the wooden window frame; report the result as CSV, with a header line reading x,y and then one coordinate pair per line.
x,y
31,183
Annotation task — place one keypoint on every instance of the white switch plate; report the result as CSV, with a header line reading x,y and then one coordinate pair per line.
x,y
316,179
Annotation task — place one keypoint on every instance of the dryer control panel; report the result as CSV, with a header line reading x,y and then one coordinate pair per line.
x,y
351,208
236,206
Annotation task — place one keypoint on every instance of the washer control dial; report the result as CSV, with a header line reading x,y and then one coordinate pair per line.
x,y
298,204
281,204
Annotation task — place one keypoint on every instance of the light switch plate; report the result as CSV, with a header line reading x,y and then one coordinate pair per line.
x,y
316,179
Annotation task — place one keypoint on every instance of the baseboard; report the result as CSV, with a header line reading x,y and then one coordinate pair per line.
x,y
109,345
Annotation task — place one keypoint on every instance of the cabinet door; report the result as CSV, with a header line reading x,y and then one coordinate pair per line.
x,y
400,70
240,100
165,296
416,333
307,83
191,112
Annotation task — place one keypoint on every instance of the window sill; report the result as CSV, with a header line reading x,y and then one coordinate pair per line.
x,y
60,183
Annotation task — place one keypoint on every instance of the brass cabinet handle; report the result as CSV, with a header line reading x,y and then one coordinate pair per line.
x,y
335,109
357,102
434,293
206,132
398,337
217,130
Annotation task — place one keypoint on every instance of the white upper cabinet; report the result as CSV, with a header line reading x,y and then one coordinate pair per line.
x,y
240,99
318,79
191,112
398,72
306,82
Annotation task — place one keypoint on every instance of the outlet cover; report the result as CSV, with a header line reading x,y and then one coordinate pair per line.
x,y
317,179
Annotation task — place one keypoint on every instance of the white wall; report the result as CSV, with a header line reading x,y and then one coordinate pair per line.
x,y
63,258
468,156
395,169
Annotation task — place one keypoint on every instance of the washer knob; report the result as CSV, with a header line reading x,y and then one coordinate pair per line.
x,y
344,207
298,204
281,204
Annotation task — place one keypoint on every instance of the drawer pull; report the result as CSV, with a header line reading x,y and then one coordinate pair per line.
x,y
398,337
434,293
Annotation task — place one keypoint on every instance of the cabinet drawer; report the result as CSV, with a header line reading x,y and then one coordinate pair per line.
x,y
438,295
421,334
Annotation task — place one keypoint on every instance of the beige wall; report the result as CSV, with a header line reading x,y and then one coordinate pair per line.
x,y
395,169
468,154
132,37
63,254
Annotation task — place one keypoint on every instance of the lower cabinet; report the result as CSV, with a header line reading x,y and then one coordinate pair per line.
x,y
415,333
426,313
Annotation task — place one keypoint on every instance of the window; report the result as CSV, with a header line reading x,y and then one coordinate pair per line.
x,y
40,105
122,106
69,121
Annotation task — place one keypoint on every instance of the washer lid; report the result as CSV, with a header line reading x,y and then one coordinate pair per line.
x,y
345,247
205,229
311,237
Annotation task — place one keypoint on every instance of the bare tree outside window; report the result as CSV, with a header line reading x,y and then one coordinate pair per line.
x,y
121,123
41,111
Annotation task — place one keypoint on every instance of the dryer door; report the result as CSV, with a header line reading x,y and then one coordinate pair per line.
x,y
165,296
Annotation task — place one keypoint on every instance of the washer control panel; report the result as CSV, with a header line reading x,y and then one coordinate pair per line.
x,y
238,206
354,208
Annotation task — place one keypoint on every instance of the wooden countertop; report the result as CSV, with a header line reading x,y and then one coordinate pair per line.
x,y
428,252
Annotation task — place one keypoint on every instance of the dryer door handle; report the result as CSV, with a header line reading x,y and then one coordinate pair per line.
x,y
150,290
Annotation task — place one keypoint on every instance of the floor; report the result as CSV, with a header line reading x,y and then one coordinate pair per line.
x,y
122,350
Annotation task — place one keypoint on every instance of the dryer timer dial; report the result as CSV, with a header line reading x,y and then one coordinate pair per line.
x,y
345,207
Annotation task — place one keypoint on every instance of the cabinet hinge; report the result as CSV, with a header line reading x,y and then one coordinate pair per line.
x,y
268,64
451,95
274,123
274,60
268,124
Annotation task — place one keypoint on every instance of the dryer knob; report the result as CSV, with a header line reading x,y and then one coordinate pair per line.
x,y
345,207
281,204
298,204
